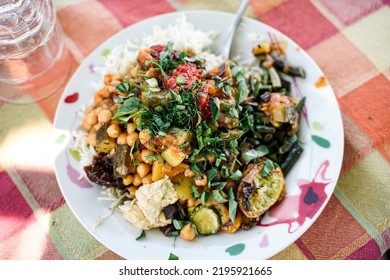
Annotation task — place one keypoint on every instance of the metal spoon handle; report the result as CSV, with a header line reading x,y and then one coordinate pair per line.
x,y
225,47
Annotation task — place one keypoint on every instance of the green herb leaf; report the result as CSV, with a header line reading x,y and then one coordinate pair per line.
x,y
242,89
152,157
179,224
118,99
218,197
173,257
219,185
152,82
300,104
255,153
195,193
268,166
195,168
123,87
205,197
215,108
129,82
141,236
224,171
236,176
129,107
185,144
212,174
232,205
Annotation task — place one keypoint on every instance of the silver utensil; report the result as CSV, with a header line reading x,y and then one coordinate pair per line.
x,y
224,47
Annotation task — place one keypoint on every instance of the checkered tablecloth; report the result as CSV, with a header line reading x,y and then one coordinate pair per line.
x,y
349,40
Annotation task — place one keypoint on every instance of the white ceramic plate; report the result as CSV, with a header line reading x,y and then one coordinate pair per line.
x,y
309,184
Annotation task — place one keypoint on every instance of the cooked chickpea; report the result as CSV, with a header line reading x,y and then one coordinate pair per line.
x,y
106,93
114,130
111,89
121,140
97,99
187,232
146,156
128,179
137,157
131,138
137,180
201,182
104,116
132,168
115,82
97,110
131,127
91,118
190,202
143,169
92,138
86,125
108,78
147,179
144,137
97,126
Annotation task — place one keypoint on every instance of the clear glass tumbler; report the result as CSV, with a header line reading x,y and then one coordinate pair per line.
x,y
32,53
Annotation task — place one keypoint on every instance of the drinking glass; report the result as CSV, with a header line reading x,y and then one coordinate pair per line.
x,y
33,58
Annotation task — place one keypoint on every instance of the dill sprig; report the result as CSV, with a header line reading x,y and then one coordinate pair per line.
x,y
180,111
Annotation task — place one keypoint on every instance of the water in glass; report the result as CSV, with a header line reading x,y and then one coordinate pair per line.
x,y
31,46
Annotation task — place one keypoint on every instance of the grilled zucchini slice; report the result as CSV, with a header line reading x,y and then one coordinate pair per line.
x,y
206,219
256,192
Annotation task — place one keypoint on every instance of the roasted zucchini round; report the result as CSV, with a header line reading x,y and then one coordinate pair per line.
x,y
206,219
260,188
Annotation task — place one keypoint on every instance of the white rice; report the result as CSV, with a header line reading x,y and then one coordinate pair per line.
x,y
184,36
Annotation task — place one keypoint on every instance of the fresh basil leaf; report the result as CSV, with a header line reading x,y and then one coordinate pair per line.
x,y
175,96
123,87
233,112
195,168
218,197
225,172
215,108
185,144
268,166
255,153
141,236
236,175
205,197
195,193
118,99
130,106
167,52
242,89
178,224
232,205
174,233
173,257
212,174
219,185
